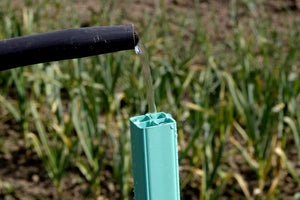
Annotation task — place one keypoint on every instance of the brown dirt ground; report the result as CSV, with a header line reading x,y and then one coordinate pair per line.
x,y
21,169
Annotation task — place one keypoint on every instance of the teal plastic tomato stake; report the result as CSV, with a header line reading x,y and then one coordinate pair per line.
x,y
154,157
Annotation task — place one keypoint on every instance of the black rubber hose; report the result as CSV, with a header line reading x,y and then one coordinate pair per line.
x,y
65,44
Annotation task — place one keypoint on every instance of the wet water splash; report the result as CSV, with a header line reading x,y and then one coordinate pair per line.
x,y
140,51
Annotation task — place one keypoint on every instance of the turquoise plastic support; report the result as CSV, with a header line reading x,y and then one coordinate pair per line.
x,y
155,157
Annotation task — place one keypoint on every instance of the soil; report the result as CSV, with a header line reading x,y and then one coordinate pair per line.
x,y
22,174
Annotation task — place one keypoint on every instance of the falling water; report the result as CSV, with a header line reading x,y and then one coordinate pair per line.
x,y
140,50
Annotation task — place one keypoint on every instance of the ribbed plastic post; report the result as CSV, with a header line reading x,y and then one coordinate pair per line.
x,y
155,157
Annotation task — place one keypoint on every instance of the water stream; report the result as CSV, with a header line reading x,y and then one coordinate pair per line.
x,y
142,53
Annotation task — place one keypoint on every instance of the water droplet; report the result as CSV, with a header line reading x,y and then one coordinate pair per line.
x,y
138,50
